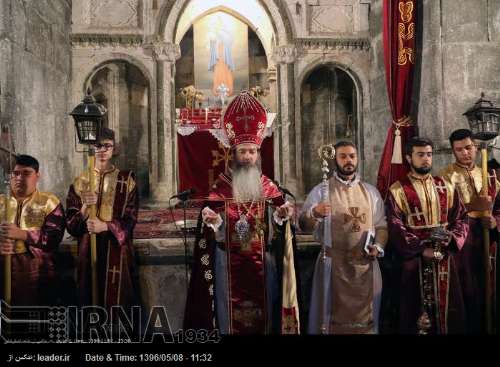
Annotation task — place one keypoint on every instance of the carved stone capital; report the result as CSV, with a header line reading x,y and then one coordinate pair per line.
x,y
272,74
286,54
161,50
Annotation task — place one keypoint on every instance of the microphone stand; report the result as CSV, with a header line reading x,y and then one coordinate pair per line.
x,y
184,231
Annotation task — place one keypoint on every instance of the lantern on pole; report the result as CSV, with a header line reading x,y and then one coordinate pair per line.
x,y
484,120
89,118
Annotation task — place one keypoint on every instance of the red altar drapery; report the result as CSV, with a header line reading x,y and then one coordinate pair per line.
x,y
202,158
399,53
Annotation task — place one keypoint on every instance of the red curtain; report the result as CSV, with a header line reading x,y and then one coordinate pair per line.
x,y
202,158
400,55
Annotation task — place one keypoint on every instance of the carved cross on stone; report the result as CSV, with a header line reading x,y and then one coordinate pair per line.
x,y
114,271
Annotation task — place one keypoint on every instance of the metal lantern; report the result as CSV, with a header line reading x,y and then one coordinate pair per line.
x,y
484,119
89,117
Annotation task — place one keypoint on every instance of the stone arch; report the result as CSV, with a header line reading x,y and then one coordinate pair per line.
x,y
165,34
114,57
360,86
140,113
240,17
171,12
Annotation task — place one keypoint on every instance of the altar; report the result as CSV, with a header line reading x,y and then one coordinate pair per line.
x,y
202,153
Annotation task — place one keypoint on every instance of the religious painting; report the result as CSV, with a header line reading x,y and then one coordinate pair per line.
x,y
220,56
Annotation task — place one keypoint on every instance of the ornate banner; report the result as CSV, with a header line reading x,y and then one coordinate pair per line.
x,y
400,54
202,158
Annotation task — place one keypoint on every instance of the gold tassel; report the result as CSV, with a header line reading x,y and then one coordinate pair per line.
x,y
397,155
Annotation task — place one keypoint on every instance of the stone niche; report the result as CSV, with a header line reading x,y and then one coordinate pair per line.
x,y
124,91
329,114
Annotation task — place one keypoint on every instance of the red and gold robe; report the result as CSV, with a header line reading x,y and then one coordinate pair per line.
x,y
248,303
415,207
117,205
470,261
33,273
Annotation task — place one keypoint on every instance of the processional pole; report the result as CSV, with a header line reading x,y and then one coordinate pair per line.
x,y
7,167
325,152
484,121
89,116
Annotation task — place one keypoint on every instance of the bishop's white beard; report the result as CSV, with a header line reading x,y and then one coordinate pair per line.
x,y
246,184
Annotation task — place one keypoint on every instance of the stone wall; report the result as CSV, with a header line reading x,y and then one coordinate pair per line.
x,y
35,72
458,46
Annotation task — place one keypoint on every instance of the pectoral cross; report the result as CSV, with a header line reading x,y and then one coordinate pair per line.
x,y
355,217
122,183
441,188
245,118
113,271
246,243
416,214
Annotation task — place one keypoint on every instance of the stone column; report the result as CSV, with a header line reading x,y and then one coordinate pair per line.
x,y
165,55
113,88
285,145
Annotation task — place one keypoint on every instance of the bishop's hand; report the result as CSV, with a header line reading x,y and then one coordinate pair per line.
x,y
209,216
286,210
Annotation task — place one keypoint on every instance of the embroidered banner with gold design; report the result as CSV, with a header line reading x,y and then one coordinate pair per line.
x,y
400,25
202,158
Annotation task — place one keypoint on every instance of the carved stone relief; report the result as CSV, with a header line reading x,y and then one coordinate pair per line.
x,y
115,13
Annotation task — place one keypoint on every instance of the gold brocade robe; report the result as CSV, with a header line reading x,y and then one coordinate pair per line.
x,y
415,208
117,206
106,184
469,183
32,265
29,214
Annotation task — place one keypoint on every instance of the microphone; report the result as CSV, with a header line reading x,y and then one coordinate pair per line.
x,y
183,195
283,189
